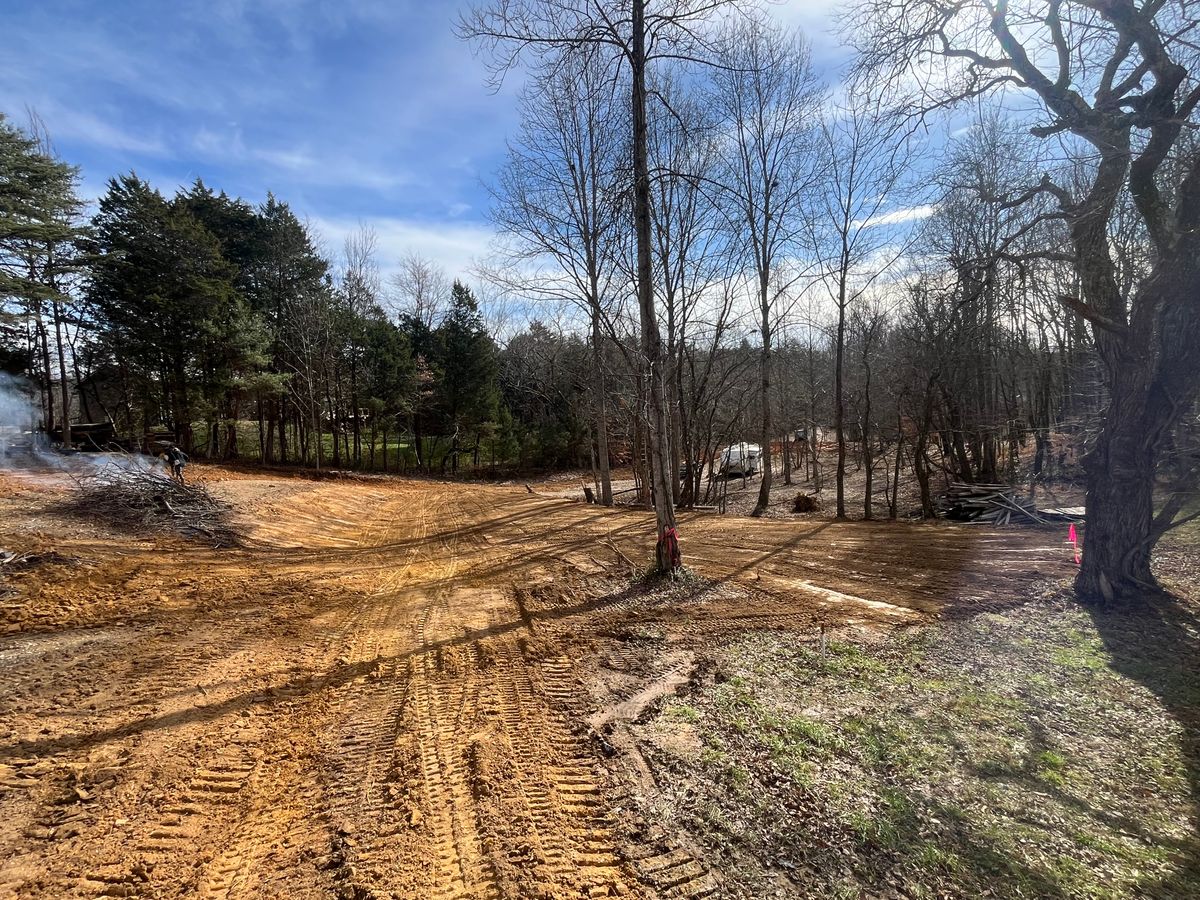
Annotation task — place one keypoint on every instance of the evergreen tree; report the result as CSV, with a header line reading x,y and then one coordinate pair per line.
x,y
390,377
289,274
238,339
39,231
166,298
466,354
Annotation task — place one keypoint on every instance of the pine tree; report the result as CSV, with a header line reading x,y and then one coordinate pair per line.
x,y
466,391
289,281
167,302
39,232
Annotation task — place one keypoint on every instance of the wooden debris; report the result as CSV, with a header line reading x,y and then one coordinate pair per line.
x,y
999,504
137,498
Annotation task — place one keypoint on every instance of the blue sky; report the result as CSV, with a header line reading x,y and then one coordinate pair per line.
x,y
350,110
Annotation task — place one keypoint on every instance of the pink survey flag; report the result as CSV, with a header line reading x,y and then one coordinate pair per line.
x,y
1073,539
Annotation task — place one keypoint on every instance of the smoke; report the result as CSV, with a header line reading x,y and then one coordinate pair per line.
x,y
19,417
18,411
23,447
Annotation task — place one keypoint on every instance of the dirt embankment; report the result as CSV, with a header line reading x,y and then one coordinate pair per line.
x,y
400,689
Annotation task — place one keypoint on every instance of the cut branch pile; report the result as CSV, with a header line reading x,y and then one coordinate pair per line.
x,y
998,504
149,501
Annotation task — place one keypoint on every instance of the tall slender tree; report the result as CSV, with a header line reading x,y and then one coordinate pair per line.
x,y
548,33
860,232
562,200
769,100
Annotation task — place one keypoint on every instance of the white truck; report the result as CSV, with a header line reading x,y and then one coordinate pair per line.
x,y
741,459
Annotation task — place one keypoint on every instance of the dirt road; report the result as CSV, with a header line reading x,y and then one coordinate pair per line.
x,y
398,689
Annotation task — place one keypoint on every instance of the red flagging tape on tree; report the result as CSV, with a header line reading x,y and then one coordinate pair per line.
x,y
670,538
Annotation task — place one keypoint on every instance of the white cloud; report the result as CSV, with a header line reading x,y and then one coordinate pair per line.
x,y
455,247
897,216
302,163
66,123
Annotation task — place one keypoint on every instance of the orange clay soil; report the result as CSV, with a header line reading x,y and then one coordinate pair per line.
x,y
397,688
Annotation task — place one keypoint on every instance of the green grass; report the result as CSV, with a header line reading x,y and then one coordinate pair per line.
x,y
1004,764
681,712
398,451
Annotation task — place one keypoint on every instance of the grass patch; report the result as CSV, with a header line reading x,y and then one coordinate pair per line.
x,y
1006,755
681,712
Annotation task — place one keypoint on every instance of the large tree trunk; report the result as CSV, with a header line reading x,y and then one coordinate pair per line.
x,y
1145,407
64,382
602,459
764,490
839,399
1152,370
1120,509
658,432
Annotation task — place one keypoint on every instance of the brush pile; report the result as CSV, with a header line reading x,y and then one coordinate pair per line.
x,y
805,503
998,504
147,500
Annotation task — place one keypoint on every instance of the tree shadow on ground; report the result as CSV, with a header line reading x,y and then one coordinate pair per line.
x,y
1158,645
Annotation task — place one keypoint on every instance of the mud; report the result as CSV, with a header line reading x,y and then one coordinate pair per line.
x,y
398,689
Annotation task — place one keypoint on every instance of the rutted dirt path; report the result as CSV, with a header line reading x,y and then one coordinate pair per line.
x,y
386,692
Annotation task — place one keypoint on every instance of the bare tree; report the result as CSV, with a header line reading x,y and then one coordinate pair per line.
x,y
561,201
866,164
985,292
868,327
690,245
360,291
769,98
420,288
1116,86
549,32
306,338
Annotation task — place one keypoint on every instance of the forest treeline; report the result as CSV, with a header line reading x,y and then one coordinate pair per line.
x,y
709,244
225,325
201,314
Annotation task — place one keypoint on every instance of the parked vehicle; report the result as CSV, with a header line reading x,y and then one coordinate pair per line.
x,y
88,436
741,459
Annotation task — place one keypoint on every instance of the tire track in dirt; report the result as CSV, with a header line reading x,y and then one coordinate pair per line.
x,y
372,813
360,646
157,684
382,704
566,822
233,803
445,708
